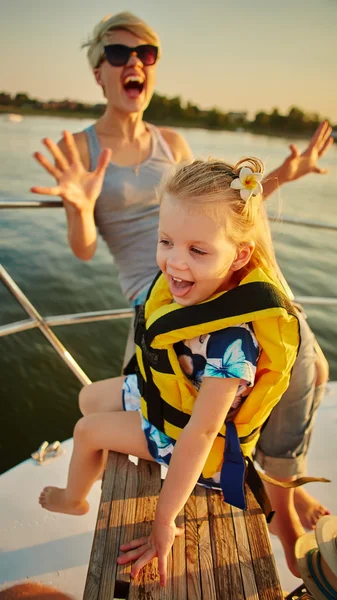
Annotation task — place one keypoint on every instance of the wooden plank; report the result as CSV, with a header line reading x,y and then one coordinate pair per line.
x,y
179,562
128,518
244,555
205,549
266,576
146,586
192,549
92,584
227,572
112,545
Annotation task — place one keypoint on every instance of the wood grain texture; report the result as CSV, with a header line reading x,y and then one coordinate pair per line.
x,y
225,552
266,576
192,549
92,585
244,555
146,586
227,571
112,545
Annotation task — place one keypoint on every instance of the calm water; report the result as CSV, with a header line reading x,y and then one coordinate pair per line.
x,y
38,393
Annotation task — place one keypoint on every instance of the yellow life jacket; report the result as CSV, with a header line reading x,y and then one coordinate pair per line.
x,y
168,396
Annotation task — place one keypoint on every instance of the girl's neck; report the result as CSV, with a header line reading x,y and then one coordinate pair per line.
x,y
121,125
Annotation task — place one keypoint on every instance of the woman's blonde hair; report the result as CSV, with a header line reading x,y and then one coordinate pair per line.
x,y
204,187
123,20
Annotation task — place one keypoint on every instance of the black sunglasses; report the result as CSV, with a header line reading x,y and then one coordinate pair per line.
x,y
118,55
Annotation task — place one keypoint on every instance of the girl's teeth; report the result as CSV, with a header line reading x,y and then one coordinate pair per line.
x,y
175,279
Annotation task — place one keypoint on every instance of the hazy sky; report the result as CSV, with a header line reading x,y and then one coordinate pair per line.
x,y
236,55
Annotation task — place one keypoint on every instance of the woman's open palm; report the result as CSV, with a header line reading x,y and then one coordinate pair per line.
x,y
75,185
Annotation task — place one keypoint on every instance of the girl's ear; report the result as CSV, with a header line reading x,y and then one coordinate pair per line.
x,y
243,256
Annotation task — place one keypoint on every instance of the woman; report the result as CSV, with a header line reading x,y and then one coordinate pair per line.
x,y
115,190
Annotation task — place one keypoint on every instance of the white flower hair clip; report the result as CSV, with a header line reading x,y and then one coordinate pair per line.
x,y
248,183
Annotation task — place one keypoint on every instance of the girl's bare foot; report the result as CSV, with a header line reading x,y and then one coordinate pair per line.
x,y
55,500
308,508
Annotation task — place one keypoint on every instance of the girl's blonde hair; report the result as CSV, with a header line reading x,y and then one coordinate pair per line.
x,y
123,20
204,186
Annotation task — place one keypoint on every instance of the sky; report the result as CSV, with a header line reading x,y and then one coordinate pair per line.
x,y
232,54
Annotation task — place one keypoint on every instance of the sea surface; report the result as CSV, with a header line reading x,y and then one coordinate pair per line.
x,y
38,392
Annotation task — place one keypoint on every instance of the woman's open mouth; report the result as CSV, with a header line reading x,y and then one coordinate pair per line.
x,y
180,287
133,85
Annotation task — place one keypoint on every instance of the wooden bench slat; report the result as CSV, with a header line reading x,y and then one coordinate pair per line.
x,y
204,542
112,544
244,555
128,518
225,557
192,550
146,586
263,560
179,562
92,586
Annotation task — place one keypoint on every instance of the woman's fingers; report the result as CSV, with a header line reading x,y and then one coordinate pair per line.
x,y
60,158
73,152
294,151
46,191
47,165
328,142
103,161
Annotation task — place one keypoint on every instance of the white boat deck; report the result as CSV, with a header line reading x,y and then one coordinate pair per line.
x,y
55,549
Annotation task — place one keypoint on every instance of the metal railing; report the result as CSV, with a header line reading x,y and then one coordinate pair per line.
x,y
44,324
274,218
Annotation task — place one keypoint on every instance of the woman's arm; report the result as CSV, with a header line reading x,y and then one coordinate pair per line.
x,y
189,456
297,165
78,187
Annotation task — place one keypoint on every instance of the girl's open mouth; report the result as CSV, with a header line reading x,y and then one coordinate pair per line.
x,y
180,287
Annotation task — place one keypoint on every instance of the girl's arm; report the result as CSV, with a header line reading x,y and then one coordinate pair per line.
x,y
188,458
297,165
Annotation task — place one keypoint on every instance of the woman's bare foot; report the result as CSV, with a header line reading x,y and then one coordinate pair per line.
x,y
55,500
308,508
287,526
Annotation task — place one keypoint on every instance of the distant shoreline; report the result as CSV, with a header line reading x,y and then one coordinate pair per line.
x,y
29,112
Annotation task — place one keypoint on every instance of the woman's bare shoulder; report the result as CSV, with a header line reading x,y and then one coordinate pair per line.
x,y
178,144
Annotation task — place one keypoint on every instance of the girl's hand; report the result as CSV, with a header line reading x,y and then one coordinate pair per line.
x,y
296,165
143,550
77,187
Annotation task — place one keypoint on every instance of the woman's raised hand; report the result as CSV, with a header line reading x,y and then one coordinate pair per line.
x,y
296,164
76,186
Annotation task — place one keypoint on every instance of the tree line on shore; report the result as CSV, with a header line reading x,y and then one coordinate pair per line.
x,y
173,111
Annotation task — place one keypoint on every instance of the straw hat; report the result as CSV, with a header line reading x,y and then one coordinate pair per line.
x,y
316,555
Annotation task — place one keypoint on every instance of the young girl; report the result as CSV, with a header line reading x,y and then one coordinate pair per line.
x,y
215,343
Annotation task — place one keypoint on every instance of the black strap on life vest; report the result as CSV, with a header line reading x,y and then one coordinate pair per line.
x,y
244,299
